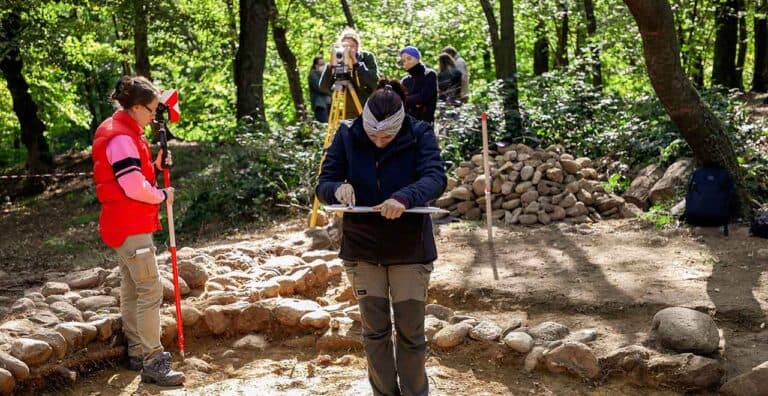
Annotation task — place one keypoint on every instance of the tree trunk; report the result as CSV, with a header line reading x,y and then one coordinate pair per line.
x,y
541,50
760,73
594,48
742,54
39,159
348,13
140,46
561,53
124,51
701,129
251,55
289,61
493,31
727,23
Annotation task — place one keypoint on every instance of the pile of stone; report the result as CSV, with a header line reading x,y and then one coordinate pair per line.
x,y
533,186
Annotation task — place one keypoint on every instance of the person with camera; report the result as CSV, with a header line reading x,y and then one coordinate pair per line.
x,y
351,63
320,99
126,187
390,161
421,85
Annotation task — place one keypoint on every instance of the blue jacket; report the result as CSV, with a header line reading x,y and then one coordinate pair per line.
x,y
421,92
409,169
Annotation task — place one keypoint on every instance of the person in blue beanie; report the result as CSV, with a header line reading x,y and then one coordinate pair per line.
x,y
420,84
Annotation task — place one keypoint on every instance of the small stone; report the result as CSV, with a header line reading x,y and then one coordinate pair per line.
x,y
253,342
54,288
325,255
7,383
23,305
439,311
190,315
485,331
193,363
583,336
55,340
193,272
19,369
289,310
95,303
317,319
686,330
452,335
87,279
343,333
533,358
549,331
66,312
575,358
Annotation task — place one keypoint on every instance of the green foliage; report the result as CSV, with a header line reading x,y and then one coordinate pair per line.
x,y
250,178
659,216
616,183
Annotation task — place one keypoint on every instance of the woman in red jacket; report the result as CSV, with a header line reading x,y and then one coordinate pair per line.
x,y
126,187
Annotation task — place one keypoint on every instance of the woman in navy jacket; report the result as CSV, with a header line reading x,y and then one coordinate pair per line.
x,y
391,161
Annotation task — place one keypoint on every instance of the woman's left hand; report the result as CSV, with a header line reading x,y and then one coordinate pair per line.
x,y
390,209
159,160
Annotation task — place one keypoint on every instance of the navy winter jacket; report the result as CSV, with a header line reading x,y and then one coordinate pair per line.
x,y
409,169
421,92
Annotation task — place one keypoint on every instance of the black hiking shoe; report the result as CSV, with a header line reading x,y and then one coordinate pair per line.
x,y
135,363
158,371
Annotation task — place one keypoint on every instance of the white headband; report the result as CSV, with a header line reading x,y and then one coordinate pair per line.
x,y
388,126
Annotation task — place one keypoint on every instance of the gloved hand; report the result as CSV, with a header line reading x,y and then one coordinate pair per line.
x,y
390,209
159,160
345,194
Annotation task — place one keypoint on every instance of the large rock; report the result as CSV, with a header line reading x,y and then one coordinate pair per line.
x,y
432,325
19,369
549,331
66,312
320,238
87,279
55,340
639,191
254,317
54,288
518,341
439,311
169,293
96,302
461,193
316,319
30,351
570,166
193,272
574,358
452,335
19,327
754,382
325,255
23,305
485,331
190,315
686,330
674,178
216,319
290,310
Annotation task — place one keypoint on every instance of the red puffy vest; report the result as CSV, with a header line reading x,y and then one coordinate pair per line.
x,y
121,216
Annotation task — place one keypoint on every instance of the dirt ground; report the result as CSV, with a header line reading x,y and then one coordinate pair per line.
x,y
612,276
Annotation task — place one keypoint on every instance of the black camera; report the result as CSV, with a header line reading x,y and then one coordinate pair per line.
x,y
340,62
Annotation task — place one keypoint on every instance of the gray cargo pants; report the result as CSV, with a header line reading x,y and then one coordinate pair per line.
x,y
406,286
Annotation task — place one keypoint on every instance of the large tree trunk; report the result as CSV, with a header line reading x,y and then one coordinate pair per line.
x,y
701,129
289,61
249,62
140,46
561,53
541,50
741,57
726,40
760,74
594,48
39,159
348,13
506,62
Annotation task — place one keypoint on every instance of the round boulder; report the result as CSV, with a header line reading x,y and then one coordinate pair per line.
x,y
686,330
30,351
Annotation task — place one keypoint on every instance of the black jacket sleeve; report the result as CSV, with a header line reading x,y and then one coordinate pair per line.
x,y
430,170
428,91
334,170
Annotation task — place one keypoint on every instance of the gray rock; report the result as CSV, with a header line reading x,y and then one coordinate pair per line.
x,y
253,342
19,327
23,305
583,336
44,318
196,364
320,238
31,351
290,310
485,331
95,303
87,279
67,312
574,358
463,318
548,331
54,288
432,325
452,335
686,330
193,272
439,311
518,341
753,382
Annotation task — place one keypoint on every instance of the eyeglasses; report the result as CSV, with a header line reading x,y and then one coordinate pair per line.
x,y
148,109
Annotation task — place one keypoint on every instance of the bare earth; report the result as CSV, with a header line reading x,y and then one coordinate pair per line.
x,y
611,276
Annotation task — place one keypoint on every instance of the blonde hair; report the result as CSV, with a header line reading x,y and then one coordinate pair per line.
x,y
349,33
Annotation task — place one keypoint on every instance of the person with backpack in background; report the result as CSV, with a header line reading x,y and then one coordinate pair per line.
x,y
126,187
448,80
420,85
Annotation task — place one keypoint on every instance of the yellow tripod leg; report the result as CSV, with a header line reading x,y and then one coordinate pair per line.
x,y
333,122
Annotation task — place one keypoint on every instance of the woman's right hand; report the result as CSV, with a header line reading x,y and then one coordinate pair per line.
x,y
169,193
345,194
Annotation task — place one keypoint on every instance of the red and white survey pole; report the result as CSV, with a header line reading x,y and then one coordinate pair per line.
x,y
169,102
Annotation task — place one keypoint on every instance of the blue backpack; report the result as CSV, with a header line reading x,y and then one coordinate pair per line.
x,y
709,198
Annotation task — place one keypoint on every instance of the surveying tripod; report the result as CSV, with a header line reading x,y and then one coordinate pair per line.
x,y
338,112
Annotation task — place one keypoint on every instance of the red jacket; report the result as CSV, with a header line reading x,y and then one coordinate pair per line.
x,y
121,216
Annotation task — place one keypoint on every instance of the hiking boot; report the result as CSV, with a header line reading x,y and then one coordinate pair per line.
x,y
135,363
158,371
